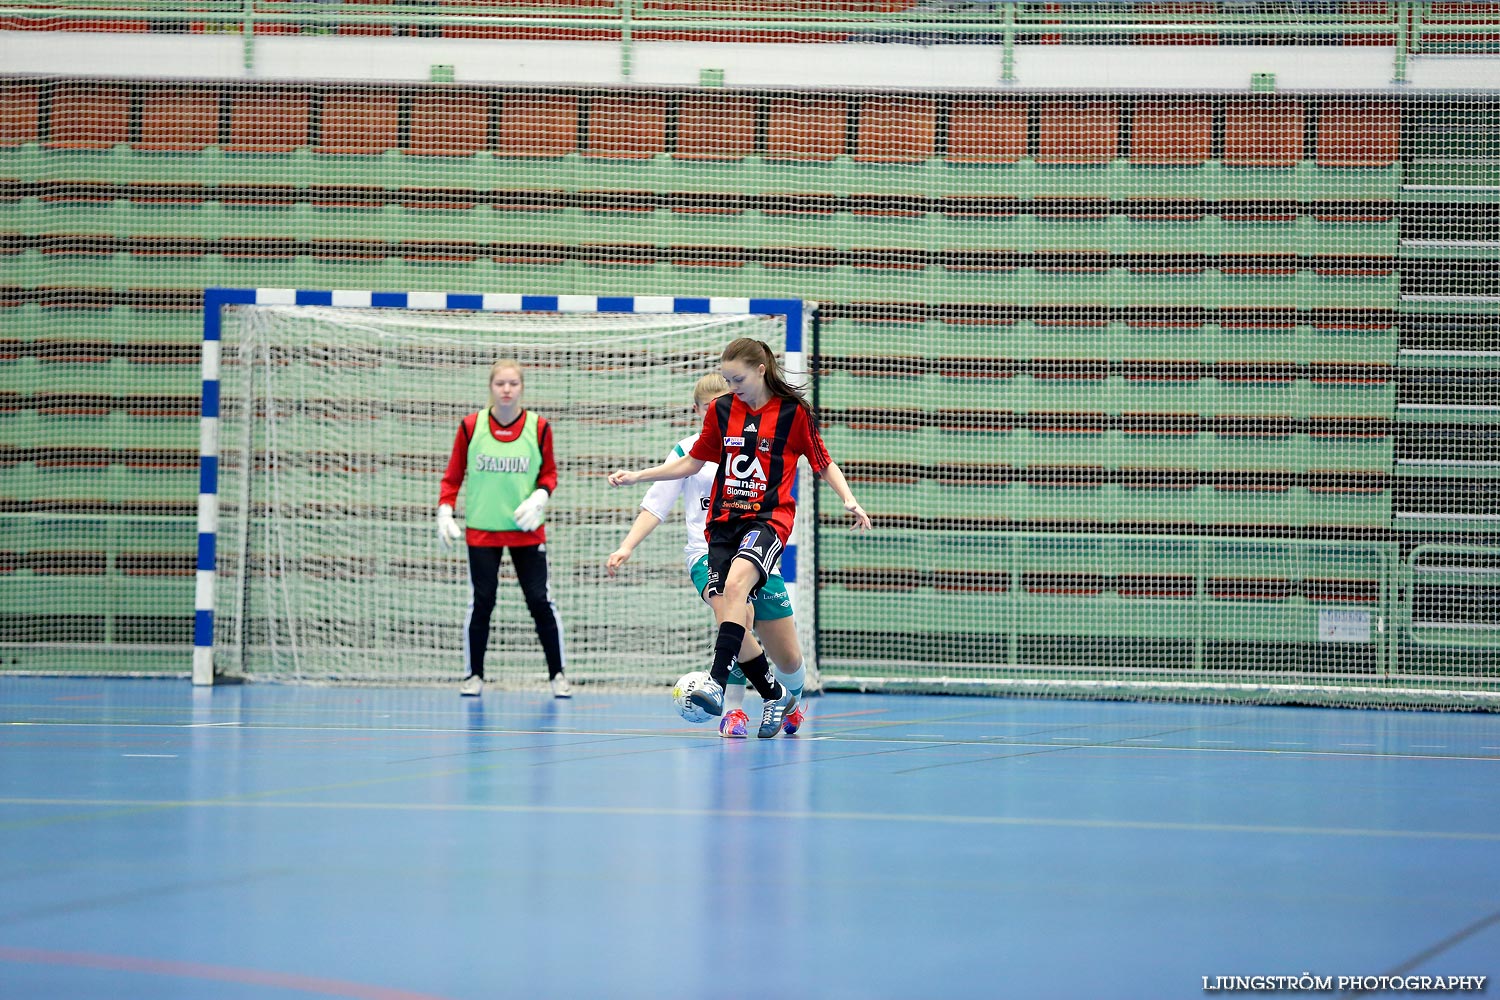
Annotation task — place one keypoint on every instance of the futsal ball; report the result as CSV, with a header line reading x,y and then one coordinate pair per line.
x,y
684,687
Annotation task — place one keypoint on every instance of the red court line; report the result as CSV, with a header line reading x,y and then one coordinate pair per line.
x,y
850,715
220,973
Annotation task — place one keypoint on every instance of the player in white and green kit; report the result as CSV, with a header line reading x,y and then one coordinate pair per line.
x,y
775,625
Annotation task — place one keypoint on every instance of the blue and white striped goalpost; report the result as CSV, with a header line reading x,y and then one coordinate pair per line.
x,y
794,313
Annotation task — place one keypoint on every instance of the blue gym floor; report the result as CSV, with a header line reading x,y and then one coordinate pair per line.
x,y
394,844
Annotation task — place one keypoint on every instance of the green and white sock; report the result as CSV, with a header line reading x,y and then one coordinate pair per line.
x,y
793,681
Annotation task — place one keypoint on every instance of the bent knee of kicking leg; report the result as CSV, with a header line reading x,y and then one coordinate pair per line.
x,y
742,578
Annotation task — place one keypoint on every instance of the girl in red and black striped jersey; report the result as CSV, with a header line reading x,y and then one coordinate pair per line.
x,y
756,435
505,452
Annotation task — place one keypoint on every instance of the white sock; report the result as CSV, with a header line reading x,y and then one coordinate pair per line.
x,y
734,694
793,681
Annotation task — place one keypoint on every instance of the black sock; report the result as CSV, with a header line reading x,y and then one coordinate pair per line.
x,y
726,648
757,671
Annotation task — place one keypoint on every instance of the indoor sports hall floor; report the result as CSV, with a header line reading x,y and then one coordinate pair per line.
x,y
264,841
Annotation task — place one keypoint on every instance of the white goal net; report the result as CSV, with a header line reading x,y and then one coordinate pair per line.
x,y
336,426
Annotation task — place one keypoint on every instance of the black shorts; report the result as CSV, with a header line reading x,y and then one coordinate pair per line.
x,y
751,540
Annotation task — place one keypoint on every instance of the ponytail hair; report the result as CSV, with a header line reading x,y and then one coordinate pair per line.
x,y
757,352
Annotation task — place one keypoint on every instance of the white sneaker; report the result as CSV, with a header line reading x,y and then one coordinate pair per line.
x,y
709,696
472,687
561,688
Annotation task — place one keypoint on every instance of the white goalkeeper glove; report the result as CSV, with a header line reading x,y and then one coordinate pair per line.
x,y
448,529
529,515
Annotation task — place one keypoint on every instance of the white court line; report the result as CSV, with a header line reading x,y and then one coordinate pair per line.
x,y
1274,743
714,736
173,755
206,725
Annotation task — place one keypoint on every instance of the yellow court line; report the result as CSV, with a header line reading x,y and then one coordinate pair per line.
x,y
939,819
127,807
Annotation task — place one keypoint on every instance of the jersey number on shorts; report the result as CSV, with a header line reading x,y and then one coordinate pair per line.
x,y
749,539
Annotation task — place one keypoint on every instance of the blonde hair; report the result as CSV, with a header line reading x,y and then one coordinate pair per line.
x,y
710,386
507,363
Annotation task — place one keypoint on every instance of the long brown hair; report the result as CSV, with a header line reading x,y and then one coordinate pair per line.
x,y
757,352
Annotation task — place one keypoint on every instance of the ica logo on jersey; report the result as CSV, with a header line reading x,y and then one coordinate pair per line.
x,y
746,467
746,478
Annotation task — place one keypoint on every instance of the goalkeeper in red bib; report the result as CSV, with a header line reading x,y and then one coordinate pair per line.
x,y
756,435
504,452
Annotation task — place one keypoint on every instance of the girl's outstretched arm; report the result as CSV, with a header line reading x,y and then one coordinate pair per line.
x,y
645,523
677,468
834,477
